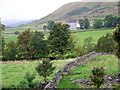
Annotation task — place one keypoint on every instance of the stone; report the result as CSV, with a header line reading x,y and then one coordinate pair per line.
x,y
110,78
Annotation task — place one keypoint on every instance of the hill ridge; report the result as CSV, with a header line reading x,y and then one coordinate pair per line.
x,y
74,10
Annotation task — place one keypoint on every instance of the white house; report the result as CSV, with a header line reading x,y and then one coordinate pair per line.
x,y
73,24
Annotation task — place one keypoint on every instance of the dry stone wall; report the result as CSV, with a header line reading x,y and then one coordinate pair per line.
x,y
65,70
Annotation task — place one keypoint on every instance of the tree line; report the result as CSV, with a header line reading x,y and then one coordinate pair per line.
x,y
33,45
108,21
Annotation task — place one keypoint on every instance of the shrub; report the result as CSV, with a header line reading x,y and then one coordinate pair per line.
x,y
16,32
71,54
105,43
88,44
80,50
10,51
97,76
28,81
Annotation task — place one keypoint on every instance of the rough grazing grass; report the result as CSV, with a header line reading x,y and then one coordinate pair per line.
x,y
110,63
66,83
79,37
14,71
10,36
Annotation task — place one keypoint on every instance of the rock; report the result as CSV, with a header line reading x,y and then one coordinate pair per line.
x,y
109,78
71,79
88,83
118,80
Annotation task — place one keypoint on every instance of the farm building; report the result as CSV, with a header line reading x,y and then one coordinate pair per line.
x,y
73,24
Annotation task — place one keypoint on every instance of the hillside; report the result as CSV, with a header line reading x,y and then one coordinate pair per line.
x,y
77,10
14,23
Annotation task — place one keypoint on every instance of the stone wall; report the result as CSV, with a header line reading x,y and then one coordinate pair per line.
x,y
65,70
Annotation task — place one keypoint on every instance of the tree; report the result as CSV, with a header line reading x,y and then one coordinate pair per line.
x,y
118,20
44,27
16,32
2,46
2,27
97,76
24,45
59,40
88,44
97,23
86,23
10,52
45,69
81,23
109,21
105,43
117,40
50,24
40,45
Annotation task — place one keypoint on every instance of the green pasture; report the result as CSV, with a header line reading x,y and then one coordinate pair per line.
x,y
77,35
14,71
80,36
109,62
9,35
21,29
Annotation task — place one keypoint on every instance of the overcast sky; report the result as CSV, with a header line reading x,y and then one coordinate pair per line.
x,y
30,9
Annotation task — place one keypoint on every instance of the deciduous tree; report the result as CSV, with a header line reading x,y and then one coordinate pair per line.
x,y
50,24
86,23
24,45
110,21
97,23
81,23
45,69
60,40
106,43
88,44
117,40
40,45
10,51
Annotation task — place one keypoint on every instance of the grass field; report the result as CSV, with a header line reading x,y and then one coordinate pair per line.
x,y
10,37
14,71
110,63
78,35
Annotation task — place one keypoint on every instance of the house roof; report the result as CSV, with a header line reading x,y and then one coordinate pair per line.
x,y
71,21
